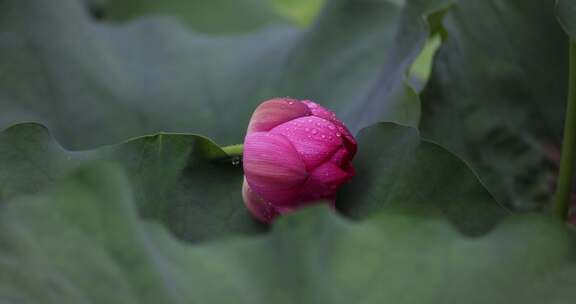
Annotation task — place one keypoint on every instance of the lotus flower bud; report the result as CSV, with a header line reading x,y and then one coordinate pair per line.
x,y
295,153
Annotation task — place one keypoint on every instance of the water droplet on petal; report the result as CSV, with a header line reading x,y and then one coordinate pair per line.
x,y
338,134
323,136
314,131
290,102
331,127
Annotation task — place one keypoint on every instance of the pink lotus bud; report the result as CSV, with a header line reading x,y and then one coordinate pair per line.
x,y
295,152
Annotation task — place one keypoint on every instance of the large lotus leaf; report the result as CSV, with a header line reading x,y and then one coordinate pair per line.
x,y
176,182
82,242
497,92
77,75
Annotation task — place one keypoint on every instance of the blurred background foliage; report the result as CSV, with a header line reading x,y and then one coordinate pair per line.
x,y
101,201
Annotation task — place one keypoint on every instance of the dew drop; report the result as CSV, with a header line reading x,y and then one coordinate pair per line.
x,y
290,102
307,129
323,136
338,134
331,127
314,131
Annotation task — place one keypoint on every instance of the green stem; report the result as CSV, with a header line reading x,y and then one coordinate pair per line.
x,y
561,202
234,150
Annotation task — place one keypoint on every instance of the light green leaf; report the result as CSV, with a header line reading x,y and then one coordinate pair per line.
x,y
176,183
212,16
220,16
